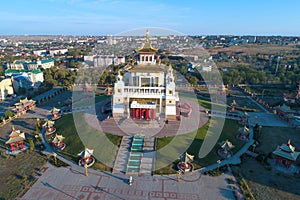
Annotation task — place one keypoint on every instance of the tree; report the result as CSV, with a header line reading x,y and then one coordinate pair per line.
x,y
31,144
193,80
8,114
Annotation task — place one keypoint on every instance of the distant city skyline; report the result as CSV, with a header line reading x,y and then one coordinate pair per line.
x,y
103,17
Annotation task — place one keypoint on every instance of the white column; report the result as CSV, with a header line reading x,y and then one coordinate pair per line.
x,y
128,108
160,105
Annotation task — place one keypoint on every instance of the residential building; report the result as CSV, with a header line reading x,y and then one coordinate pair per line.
x,y
6,88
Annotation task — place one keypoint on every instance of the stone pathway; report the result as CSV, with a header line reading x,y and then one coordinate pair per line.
x,y
121,161
260,106
266,119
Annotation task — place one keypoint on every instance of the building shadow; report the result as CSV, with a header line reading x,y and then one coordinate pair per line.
x,y
125,180
227,193
54,188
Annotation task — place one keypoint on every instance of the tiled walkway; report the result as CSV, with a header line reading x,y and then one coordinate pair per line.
x,y
71,183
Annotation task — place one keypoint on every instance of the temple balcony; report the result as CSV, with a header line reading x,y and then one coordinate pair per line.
x,y
144,91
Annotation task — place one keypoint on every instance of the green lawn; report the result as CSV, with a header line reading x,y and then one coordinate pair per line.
x,y
216,106
192,143
89,101
203,102
81,134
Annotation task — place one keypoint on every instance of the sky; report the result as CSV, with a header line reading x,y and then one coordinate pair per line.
x,y
102,17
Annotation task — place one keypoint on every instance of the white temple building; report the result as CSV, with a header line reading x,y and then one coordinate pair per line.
x,y
147,90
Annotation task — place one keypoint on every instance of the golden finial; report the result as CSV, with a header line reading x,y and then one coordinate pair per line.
x,y
147,35
289,142
13,128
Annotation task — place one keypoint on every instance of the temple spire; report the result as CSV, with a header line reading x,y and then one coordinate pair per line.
x,y
147,35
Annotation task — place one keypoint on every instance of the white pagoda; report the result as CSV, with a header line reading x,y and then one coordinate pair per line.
x,y
225,150
49,127
57,142
86,157
55,113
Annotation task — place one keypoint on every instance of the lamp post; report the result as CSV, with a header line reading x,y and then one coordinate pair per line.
x,y
219,162
253,149
86,170
259,130
55,159
178,176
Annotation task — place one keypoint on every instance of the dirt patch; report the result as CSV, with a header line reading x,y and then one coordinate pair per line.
x,y
268,184
271,137
18,173
265,182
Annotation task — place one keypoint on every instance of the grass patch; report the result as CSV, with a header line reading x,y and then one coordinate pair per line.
x,y
90,101
208,104
17,173
203,102
169,148
82,135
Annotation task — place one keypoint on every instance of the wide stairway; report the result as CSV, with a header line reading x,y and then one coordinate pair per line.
x,y
136,156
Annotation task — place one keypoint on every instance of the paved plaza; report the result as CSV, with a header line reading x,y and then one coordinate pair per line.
x,y
72,183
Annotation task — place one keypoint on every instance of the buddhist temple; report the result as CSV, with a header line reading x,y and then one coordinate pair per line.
x,y
244,119
57,142
16,140
225,150
86,157
146,91
23,105
185,163
55,113
49,127
286,154
243,133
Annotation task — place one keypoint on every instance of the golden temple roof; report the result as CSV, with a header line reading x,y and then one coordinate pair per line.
x,y
147,47
148,68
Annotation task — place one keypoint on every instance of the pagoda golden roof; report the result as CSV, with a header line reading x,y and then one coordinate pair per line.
x,y
58,138
286,151
16,137
148,68
147,47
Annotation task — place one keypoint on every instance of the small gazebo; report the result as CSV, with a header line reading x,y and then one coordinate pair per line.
x,y
55,113
243,133
49,127
185,163
57,142
233,106
86,157
286,154
225,150
16,141
244,119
